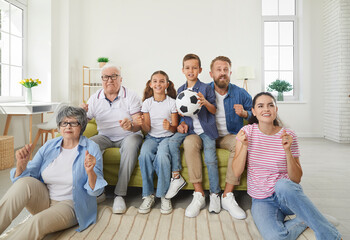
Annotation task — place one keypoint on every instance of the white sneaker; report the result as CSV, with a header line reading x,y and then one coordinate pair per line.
x,y
175,185
101,198
229,203
198,203
147,204
214,204
165,206
119,205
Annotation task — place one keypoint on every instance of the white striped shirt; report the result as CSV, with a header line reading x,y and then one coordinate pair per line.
x,y
266,160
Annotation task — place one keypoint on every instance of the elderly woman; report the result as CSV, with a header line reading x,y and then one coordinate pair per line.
x,y
59,186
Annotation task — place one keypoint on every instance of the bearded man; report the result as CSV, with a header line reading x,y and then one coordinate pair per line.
x,y
233,105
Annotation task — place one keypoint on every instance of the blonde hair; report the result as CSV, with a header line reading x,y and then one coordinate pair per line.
x,y
220,58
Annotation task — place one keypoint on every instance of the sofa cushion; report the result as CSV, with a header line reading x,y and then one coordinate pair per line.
x,y
111,161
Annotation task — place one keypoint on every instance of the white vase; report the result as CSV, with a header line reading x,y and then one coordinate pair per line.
x,y
28,96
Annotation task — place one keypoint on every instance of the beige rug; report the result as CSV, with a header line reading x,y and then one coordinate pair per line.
x,y
155,225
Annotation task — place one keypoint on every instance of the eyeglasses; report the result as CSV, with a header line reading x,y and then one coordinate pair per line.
x,y
112,77
72,124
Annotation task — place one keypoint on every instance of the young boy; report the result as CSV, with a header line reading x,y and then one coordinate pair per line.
x,y
203,126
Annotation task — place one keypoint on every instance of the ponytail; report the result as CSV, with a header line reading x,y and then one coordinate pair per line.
x,y
171,92
148,92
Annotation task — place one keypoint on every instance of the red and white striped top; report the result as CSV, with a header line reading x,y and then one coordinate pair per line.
x,y
267,160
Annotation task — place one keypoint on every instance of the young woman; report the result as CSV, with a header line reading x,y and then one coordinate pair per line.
x,y
274,173
160,121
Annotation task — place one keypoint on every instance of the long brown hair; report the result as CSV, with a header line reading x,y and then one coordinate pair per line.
x,y
170,91
253,119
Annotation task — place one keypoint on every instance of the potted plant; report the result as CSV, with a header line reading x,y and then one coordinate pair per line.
x,y
102,61
280,86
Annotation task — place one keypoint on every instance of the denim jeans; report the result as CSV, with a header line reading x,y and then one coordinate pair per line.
x,y
175,142
289,199
210,158
155,157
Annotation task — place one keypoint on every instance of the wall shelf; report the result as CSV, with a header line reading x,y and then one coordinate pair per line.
x,y
91,80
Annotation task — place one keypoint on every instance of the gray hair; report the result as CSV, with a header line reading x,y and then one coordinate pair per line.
x,y
76,112
110,65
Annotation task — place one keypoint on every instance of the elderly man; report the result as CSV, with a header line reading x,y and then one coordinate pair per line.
x,y
114,108
233,105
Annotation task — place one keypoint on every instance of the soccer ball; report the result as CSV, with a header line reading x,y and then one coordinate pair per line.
x,y
187,103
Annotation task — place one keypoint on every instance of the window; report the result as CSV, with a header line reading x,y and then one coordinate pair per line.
x,y
11,47
280,45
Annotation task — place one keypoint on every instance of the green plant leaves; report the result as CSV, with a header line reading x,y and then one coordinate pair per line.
x,y
102,59
280,86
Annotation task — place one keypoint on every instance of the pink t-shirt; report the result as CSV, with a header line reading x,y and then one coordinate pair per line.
x,y
267,160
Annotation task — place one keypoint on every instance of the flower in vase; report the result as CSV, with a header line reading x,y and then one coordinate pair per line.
x,y
29,83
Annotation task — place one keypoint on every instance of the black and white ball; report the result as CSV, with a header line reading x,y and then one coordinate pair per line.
x,y
187,103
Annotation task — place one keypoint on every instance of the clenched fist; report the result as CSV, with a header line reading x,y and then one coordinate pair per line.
x,y
22,156
89,162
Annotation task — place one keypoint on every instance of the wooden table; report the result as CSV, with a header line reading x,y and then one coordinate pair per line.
x,y
23,109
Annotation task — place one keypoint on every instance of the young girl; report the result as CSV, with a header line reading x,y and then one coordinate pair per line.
x,y
160,121
274,173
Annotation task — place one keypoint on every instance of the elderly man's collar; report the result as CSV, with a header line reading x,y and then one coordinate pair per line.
x,y
121,93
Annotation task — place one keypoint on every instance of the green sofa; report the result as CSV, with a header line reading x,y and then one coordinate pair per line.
x,y
111,158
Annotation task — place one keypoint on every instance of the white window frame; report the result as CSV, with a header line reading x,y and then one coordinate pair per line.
x,y
22,4
296,79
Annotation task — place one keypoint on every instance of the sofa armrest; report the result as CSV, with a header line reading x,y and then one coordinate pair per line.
x,y
91,129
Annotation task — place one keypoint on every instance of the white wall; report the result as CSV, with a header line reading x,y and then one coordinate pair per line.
x,y
60,46
336,18
75,68
39,47
145,36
